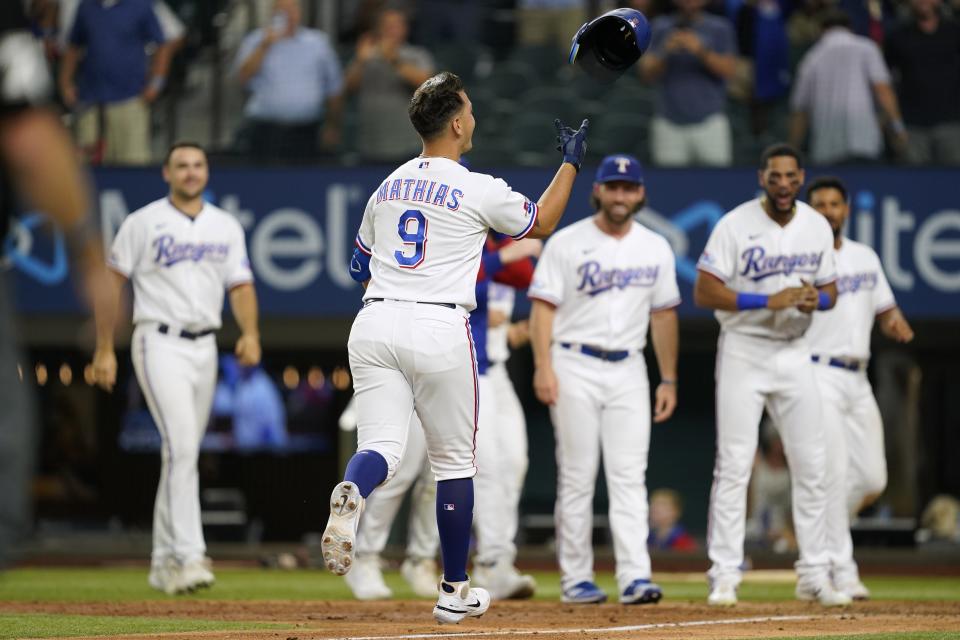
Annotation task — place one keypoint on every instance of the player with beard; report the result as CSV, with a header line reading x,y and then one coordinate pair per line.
x,y
840,342
181,253
768,265
599,284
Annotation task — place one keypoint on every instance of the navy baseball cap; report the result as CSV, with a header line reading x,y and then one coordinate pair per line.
x,y
620,166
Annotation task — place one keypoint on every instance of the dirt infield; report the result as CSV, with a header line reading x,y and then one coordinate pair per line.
x,y
325,620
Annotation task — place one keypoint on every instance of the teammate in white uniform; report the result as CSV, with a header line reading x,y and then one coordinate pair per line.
x,y
598,286
510,425
501,452
410,346
840,342
767,266
181,253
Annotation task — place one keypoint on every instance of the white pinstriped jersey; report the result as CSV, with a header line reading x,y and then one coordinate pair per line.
x,y
751,253
425,226
862,293
180,265
604,288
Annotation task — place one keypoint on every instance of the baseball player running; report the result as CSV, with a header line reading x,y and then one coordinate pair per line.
x,y
840,343
768,265
598,285
180,252
418,252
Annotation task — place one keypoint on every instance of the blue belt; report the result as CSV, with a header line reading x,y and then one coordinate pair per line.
x,y
840,363
609,356
448,305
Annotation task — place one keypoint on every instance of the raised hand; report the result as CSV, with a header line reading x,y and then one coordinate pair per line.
x,y
572,144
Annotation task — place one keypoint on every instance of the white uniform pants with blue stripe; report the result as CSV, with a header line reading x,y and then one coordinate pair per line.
x,y
177,377
602,406
406,354
501,467
754,373
856,464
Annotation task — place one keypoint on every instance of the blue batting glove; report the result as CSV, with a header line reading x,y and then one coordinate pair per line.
x,y
572,144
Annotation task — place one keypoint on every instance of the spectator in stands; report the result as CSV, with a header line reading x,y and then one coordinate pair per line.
x,y
295,83
838,82
924,55
691,56
804,27
549,22
383,75
108,45
64,13
762,38
667,533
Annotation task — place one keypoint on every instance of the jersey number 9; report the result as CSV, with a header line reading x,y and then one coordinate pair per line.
x,y
413,231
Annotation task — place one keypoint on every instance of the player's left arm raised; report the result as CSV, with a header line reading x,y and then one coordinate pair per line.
x,y
243,304
665,333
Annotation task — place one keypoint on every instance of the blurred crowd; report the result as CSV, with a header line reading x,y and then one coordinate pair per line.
x,y
851,81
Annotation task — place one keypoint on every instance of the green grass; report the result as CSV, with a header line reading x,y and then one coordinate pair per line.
x,y
130,584
38,625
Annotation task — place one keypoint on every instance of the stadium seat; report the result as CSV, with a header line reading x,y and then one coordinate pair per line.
x,y
620,133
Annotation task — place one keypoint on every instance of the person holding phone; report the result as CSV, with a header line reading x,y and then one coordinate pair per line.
x,y
692,55
295,83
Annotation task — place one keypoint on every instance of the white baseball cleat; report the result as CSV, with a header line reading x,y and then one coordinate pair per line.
x,y
366,579
422,574
196,574
722,594
458,601
165,576
504,581
825,594
856,590
340,536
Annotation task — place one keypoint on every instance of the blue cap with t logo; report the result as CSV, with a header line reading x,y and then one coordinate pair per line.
x,y
620,166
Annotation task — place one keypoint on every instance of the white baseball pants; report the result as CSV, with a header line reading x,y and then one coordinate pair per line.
x,y
501,467
382,506
602,407
404,354
855,460
753,373
177,377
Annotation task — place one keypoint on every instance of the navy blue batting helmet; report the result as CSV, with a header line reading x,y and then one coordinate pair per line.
x,y
606,46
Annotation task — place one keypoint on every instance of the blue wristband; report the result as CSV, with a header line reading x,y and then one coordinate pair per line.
x,y
824,300
751,301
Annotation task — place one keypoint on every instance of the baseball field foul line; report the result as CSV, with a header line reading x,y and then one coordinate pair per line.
x,y
635,627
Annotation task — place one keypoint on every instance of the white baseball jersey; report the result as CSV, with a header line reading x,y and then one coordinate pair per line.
x,y
605,287
751,253
426,225
502,298
180,265
862,293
